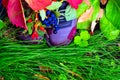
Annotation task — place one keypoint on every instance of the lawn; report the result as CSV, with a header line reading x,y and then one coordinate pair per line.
x,y
95,57
99,61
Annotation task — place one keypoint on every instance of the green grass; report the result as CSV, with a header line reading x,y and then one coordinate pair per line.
x,y
99,61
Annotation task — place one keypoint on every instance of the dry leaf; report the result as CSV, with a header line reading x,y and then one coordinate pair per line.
x,y
41,77
87,2
45,69
85,16
1,78
75,74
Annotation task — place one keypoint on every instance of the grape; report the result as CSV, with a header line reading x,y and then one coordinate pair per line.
x,y
47,24
45,21
51,20
48,12
53,15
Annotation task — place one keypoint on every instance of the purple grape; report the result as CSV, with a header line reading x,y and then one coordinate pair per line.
x,y
48,12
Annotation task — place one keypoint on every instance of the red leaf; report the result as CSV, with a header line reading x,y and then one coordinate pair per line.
x,y
5,3
38,4
16,13
74,3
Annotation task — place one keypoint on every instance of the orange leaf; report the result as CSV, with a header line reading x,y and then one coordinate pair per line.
x,y
38,4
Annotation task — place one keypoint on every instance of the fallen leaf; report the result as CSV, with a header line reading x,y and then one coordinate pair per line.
x,y
75,74
41,77
1,78
45,69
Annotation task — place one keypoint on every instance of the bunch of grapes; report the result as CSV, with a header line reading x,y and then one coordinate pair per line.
x,y
51,21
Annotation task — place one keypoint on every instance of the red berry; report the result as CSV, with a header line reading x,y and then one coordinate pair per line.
x,y
42,28
92,33
34,35
29,20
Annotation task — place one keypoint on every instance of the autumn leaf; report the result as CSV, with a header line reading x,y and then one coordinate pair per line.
x,y
74,3
16,13
5,3
86,15
38,4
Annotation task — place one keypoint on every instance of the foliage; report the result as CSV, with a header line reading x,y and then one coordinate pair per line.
x,y
16,13
2,24
82,40
100,60
108,29
112,13
109,24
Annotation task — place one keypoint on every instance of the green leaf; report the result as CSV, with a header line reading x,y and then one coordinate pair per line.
x,y
114,34
41,33
70,13
97,57
30,25
77,40
95,4
83,43
54,5
109,30
81,9
83,25
2,24
113,12
62,77
85,35
42,14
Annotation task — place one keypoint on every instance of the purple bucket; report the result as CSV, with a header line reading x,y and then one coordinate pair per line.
x,y
64,36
